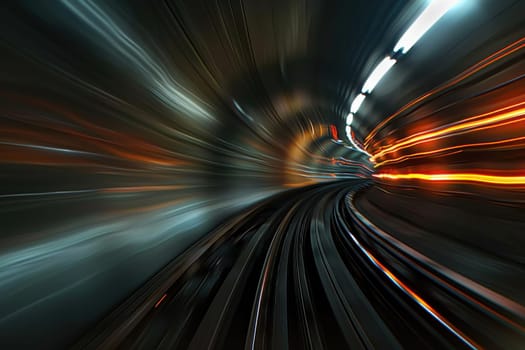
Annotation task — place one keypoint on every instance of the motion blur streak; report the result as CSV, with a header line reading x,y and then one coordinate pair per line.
x,y
490,179
435,10
502,144
476,123
278,174
419,300
483,64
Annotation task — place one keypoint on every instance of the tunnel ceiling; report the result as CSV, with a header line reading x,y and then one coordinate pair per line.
x,y
213,86
207,81
286,64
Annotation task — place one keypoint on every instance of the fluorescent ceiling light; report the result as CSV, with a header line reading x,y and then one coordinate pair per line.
x,y
349,136
358,100
349,119
377,74
434,11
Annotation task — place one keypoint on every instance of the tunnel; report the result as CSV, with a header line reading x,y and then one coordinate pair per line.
x,y
262,174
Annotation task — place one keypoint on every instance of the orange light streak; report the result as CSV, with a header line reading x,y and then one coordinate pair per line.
x,y
415,296
478,121
422,302
78,134
514,47
441,150
470,177
160,300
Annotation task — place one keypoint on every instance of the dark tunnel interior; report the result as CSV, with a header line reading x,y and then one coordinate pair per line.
x,y
262,174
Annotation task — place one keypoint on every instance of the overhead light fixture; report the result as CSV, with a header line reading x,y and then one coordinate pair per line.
x,y
358,100
349,119
377,74
348,130
434,11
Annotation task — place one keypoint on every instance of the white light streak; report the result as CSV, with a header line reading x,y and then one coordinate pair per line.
x,y
160,80
358,100
434,11
348,130
241,110
377,74
349,118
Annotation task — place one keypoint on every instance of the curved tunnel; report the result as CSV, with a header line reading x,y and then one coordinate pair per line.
x,y
292,174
